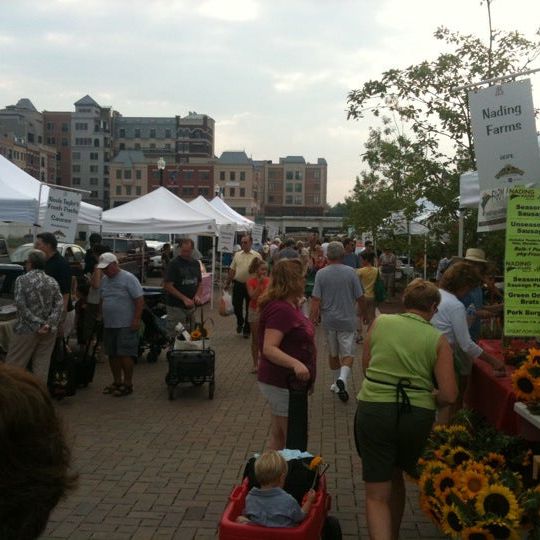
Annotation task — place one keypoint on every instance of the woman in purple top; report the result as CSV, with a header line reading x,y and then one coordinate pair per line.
x,y
286,343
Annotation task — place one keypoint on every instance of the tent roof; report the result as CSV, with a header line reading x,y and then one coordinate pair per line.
x,y
14,179
204,207
241,222
159,211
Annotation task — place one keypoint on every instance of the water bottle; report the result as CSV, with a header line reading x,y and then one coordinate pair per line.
x,y
181,331
471,314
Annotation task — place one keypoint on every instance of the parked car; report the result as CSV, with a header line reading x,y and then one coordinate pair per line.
x,y
133,254
73,253
4,252
8,274
403,268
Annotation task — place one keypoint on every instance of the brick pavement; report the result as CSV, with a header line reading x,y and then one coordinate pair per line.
x,y
152,468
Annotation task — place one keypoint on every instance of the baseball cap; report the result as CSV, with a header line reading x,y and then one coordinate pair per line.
x,y
105,259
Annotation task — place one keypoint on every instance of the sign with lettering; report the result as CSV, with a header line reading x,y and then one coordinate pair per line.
x,y
62,214
505,145
226,238
257,233
522,263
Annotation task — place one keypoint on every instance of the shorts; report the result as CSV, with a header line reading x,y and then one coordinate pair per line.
x,y
341,344
278,398
253,315
384,444
121,342
176,314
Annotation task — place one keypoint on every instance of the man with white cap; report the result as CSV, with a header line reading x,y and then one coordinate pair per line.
x,y
122,305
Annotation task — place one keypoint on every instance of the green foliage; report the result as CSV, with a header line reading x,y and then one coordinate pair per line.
x,y
425,142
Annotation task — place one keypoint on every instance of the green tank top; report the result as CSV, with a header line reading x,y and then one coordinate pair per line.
x,y
402,346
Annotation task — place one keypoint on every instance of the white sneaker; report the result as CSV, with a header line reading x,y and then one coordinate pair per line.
x,y
334,388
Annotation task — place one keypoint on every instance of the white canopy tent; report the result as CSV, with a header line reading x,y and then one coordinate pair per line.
x,y
204,207
159,211
20,193
242,223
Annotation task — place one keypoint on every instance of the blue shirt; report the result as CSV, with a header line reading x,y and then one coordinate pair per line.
x,y
351,259
475,297
118,295
273,507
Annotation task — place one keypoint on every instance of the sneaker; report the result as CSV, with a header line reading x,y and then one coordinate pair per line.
x,y
342,391
334,388
239,329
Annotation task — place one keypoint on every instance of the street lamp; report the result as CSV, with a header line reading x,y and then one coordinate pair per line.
x,y
161,167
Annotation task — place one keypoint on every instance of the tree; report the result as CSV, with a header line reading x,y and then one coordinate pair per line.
x,y
432,129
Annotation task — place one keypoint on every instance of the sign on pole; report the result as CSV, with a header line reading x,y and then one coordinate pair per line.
x,y
226,238
522,264
62,214
505,145
257,233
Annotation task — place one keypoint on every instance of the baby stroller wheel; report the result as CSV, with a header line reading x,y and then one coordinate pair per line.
x,y
197,381
331,529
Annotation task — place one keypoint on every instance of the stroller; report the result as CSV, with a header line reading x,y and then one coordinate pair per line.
x,y
154,329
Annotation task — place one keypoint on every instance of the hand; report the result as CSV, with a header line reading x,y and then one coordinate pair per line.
x,y
301,372
197,300
189,303
135,324
311,495
44,329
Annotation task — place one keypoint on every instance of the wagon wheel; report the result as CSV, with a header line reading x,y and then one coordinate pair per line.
x,y
211,389
197,381
331,529
170,390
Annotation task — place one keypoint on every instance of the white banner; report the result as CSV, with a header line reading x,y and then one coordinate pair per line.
x,y
272,232
226,238
506,147
62,214
257,233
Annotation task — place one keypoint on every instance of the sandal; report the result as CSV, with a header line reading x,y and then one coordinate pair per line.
x,y
123,390
111,389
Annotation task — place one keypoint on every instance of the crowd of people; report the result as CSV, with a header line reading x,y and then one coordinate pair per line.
x,y
415,364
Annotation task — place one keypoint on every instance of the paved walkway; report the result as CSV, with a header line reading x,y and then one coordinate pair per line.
x,y
154,468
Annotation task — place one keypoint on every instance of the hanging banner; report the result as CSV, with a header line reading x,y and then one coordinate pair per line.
x,y
226,238
62,214
506,147
257,234
522,264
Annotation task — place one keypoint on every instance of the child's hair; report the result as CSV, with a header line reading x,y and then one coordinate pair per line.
x,y
255,265
269,467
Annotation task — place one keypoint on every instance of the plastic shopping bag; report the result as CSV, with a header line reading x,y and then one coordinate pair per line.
x,y
225,305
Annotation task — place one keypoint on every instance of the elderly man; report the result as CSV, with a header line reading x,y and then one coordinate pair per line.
x,y
183,283
39,310
238,275
122,305
336,293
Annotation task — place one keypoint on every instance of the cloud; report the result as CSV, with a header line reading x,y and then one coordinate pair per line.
x,y
297,81
57,38
229,10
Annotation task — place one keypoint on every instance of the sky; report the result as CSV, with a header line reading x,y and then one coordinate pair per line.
x,y
274,74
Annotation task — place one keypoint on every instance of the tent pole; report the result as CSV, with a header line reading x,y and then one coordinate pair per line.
x,y
460,236
213,271
425,257
36,224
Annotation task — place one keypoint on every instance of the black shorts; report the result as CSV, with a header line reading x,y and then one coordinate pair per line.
x,y
384,444
121,342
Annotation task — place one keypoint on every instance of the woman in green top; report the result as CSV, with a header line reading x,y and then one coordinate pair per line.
x,y
403,355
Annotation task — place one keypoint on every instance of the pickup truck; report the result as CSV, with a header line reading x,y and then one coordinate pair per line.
x,y
133,255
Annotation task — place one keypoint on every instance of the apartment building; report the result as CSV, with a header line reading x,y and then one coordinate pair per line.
x,y
57,133
128,173
195,137
236,179
91,149
294,187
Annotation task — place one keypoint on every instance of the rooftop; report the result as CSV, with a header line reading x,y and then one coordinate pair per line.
x,y
87,100
234,158
129,157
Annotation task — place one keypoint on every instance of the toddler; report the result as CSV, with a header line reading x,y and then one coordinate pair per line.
x,y
270,505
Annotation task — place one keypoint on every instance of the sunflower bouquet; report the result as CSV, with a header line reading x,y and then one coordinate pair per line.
x,y
526,380
472,481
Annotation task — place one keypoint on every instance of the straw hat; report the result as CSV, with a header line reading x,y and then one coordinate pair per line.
x,y
476,255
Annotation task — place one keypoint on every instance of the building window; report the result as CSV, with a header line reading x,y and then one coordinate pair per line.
x,y
121,146
152,133
316,174
232,175
76,181
119,190
187,191
297,175
64,142
94,155
65,128
188,175
81,126
128,190
222,175
298,199
138,174
152,146
93,181
138,190
273,186
127,174
242,192
122,132
76,155
288,199
289,175
288,187
298,188
137,133
270,198
242,175
43,162
167,146
93,168
96,143
205,175
94,194
76,168
232,192
137,146
316,199
168,133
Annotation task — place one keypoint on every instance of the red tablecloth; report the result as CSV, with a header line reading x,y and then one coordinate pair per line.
x,y
493,397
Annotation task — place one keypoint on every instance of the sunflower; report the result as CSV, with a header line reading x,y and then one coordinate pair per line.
x,y
196,334
471,482
459,455
443,452
534,355
501,529
425,482
525,385
476,533
431,507
451,522
498,500
443,481
494,460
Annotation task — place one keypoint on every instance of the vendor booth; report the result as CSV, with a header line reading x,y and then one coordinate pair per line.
x,y
242,223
